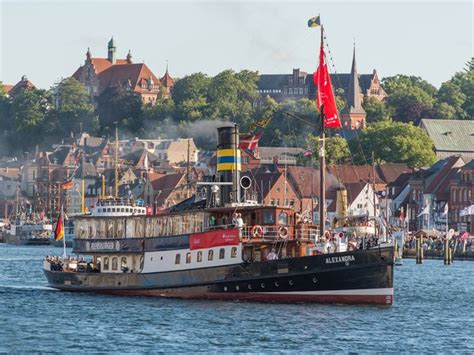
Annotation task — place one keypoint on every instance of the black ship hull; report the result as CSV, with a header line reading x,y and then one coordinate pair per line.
x,y
357,277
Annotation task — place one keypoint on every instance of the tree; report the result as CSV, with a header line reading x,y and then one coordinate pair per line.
x,y
117,104
410,98
458,93
376,110
231,96
28,112
337,150
190,97
394,142
73,109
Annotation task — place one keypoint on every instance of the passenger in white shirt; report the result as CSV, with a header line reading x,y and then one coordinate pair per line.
x,y
272,255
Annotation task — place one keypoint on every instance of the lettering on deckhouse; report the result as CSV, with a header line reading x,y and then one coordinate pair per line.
x,y
340,259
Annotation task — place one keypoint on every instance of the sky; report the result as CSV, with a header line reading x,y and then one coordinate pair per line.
x,y
47,41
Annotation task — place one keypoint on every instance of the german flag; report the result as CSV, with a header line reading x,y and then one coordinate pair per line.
x,y
314,22
59,230
67,185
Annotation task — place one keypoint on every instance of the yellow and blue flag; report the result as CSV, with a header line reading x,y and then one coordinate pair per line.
x,y
314,22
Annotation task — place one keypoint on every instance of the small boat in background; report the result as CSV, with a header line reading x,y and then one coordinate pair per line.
x,y
29,232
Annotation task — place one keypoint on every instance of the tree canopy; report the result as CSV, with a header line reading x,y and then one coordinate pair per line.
x,y
394,142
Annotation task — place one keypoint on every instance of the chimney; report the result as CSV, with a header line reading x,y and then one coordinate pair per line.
x,y
228,163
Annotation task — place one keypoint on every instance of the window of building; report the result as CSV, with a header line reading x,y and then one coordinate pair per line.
x,y
210,255
188,258
123,262
278,202
272,202
359,205
233,252
221,253
199,256
177,259
292,203
114,263
106,263
108,209
290,91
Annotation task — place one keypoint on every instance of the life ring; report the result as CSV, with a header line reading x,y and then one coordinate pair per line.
x,y
283,232
257,231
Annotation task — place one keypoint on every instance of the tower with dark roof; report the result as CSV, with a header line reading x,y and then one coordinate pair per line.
x,y
353,114
112,51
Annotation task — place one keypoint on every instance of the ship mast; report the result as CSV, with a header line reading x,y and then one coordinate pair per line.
x,y
116,160
322,167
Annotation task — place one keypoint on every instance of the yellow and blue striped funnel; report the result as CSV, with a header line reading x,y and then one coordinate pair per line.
x,y
228,159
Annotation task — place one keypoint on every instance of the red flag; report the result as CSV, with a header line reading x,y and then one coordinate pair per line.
x,y
402,215
325,95
67,185
249,142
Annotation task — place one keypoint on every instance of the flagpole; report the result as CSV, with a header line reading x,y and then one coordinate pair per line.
x,y
64,234
322,165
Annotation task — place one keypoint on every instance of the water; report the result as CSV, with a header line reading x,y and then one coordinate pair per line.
x,y
433,311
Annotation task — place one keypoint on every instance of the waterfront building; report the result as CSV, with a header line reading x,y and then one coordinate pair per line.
x,y
99,74
451,137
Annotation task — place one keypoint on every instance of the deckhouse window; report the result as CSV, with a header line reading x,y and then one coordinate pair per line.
x,y
106,263
283,218
199,256
233,252
210,255
188,258
114,263
221,253
177,260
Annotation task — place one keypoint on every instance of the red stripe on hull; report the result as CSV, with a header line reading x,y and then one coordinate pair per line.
x,y
264,297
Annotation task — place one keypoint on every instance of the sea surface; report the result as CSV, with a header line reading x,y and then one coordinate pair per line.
x,y
433,312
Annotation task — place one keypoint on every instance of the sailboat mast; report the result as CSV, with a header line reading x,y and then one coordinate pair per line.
x,y
116,160
322,167
375,198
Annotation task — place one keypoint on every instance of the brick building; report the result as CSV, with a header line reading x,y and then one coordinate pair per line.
x,y
352,86
98,74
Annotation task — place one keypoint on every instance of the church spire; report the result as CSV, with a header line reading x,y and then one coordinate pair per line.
x,y
353,114
353,95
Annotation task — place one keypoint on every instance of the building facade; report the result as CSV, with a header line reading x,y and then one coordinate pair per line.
x,y
99,74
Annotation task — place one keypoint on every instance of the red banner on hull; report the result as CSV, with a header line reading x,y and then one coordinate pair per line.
x,y
212,239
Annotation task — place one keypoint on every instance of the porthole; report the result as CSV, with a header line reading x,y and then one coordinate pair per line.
x,y
290,282
262,285
315,279
277,284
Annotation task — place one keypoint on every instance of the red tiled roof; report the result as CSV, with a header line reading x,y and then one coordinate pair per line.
x,y
167,80
22,84
307,180
442,174
354,173
390,172
166,185
7,88
100,64
120,74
